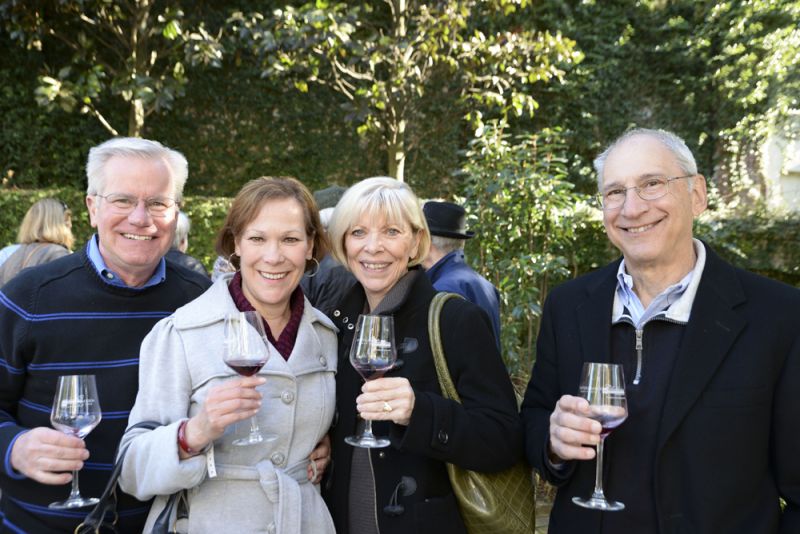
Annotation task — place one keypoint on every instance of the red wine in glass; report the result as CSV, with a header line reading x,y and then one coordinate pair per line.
x,y
245,367
246,352
371,371
372,353
609,422
603,385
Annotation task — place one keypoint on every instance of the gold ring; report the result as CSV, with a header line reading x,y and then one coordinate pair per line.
x,y
387,407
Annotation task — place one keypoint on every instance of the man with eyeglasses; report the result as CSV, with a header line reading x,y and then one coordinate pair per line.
x,y
87,313
711,357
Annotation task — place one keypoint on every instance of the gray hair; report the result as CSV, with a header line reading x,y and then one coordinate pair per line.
x,y
181,229
133,147
325,215
673,143
446,245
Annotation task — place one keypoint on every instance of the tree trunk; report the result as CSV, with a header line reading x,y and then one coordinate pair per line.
x,y
136,118
395,109
396,151
140,23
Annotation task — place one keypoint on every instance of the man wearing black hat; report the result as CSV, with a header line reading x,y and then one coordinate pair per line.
x,y
446,266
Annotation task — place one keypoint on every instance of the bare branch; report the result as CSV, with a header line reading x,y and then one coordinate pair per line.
x,y
102,119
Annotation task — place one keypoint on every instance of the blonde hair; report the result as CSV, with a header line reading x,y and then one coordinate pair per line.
x,y
378,197
47,221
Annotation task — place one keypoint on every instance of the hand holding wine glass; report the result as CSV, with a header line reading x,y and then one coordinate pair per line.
x,y
246,352
603,386
372,353
76,411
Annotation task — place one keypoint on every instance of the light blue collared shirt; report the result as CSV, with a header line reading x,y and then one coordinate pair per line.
x,y
112,278
665,299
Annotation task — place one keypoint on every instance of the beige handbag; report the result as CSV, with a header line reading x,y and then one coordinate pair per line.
x,y
489,502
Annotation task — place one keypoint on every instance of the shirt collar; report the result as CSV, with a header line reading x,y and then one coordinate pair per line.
x,y
675,302
112,278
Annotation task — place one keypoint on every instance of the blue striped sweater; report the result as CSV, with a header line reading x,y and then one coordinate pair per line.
x,y
62,318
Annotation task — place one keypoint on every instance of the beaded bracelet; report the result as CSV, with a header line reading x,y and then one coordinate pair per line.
x,y
182,443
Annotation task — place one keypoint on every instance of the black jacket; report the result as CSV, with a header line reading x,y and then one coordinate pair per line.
x,y
484,434
728,435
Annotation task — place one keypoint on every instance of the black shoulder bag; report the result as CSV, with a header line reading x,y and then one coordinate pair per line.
x,y
104,514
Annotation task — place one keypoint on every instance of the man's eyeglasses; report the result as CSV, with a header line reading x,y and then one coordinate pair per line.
x,y
125,204
652,188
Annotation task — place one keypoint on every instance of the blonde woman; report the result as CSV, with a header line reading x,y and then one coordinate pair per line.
x,y
379,233
44,235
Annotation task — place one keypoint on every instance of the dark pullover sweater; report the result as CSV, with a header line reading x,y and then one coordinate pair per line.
x,y
62,318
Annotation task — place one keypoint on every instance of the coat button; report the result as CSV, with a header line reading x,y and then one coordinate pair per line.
x,y
323,360
277,459
287,397
443,437
336,313
271,528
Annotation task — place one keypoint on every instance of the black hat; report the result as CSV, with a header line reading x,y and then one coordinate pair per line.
x,y
329,197
446,219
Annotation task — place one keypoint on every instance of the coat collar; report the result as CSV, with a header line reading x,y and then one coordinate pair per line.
x,y
212,306
417,296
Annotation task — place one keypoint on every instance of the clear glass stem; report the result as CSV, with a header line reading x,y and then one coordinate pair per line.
x,y
74,493
368,429
254,430
598,477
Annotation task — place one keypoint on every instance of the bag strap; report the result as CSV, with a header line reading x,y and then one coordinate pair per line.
x,y
435,334
108,500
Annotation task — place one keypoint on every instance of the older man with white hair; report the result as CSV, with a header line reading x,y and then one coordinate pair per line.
x,y
87,313
711,359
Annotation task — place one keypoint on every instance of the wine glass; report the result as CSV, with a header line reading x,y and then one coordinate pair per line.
x,y
372,353
603,385
76,411
246,352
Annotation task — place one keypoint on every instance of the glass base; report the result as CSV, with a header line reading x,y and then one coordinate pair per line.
x,y
254,439
80,502
367,441
596,503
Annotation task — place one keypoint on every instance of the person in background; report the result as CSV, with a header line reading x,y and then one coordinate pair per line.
x,y
711,358
177,253
325,286
446,265
379,232
44,235
272,234
87,313
7,251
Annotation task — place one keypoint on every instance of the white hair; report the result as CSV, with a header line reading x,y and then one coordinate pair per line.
x,y
133,147
182,228
446,245
673,143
